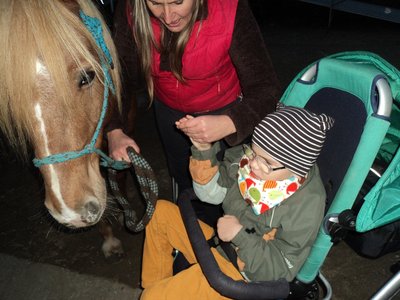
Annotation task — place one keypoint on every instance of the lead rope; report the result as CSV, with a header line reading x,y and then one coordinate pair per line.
x,y
148,188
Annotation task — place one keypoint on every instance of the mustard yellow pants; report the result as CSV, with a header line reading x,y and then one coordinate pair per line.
x,y
164,233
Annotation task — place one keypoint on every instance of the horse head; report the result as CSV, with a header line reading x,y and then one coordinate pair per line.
x,y
56,81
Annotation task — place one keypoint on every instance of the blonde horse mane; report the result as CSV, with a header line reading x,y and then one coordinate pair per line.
x,y
50,31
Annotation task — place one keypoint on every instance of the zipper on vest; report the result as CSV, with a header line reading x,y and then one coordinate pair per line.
x,y
218,84
177,83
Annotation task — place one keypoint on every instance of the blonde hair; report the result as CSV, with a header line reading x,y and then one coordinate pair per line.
x,y
52,32
146,43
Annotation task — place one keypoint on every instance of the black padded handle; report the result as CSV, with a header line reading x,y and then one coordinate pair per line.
x,y
223,284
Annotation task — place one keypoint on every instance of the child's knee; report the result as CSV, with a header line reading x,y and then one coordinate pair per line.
x,y
165,209
164,205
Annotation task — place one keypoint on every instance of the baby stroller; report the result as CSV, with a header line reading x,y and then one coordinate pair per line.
x,y
357,89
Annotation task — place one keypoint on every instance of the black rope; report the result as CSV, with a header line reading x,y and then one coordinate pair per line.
x,y
148,188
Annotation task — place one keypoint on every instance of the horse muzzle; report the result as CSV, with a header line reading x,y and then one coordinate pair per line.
x,y
86,215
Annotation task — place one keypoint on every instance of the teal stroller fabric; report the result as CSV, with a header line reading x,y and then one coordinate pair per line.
x,y
356,74
382,203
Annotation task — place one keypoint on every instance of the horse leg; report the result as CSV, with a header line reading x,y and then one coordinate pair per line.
x,y
111,245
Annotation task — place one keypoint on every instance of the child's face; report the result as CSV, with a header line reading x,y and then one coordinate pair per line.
x,y
264,167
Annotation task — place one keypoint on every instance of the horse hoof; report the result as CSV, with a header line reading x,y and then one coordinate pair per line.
x,y
112,247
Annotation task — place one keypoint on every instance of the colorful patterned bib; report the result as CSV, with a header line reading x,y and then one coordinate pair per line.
x,y
263,194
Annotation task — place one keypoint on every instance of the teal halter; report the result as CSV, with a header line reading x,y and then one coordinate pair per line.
x,y
94,27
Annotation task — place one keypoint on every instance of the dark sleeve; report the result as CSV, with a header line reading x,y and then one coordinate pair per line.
x,y
258,80
130,78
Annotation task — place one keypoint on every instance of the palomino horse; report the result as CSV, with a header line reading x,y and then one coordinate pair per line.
x,y
54,80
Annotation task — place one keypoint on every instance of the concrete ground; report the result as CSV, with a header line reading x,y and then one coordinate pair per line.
x,y
24,279
39,262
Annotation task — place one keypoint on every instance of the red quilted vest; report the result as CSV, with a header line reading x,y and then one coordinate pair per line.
x,y
211,79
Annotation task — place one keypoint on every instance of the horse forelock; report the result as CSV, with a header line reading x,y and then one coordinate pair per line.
x,y
49,33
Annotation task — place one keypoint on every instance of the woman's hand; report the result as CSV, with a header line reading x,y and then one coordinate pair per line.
x,y
206,129
118,141
228,227
200,146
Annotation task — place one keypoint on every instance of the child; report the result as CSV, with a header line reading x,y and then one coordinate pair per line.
x,y
273,200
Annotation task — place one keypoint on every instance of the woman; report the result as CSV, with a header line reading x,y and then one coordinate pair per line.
x,y
204,58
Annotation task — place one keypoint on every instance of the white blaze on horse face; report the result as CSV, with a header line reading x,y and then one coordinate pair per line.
x,y
66,213
41,69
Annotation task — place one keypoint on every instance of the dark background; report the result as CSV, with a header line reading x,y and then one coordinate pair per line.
x,y
296,34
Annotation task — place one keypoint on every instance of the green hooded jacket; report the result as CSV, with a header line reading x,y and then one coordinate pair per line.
x,y
297,218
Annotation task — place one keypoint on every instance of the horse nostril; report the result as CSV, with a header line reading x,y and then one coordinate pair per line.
x,y
91,212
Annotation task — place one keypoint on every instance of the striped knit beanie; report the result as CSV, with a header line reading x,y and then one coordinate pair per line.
x,y
293,136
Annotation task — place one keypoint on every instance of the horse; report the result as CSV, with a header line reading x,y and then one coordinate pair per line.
x,y
54,81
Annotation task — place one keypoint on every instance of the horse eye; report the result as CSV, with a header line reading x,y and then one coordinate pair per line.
x,y
86,78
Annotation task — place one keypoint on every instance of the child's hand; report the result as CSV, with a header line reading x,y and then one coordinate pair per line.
x,y
270,235
228,227
181,124
201,146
